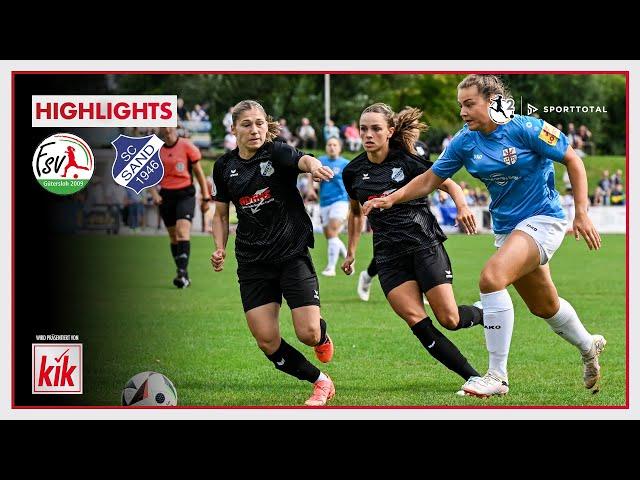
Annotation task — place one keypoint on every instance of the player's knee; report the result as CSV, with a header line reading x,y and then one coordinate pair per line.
x,y
308,335
491,281
268,345
449,320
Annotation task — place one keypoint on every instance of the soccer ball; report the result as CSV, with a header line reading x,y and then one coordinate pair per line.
x,y
149,389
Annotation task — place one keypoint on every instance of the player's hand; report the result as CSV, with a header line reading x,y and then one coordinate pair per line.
x,y
322,173
382,203
582,225
217,259
348,264
204,206
467,220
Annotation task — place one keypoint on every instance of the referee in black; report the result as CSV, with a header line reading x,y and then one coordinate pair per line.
x,y
407,242
272,242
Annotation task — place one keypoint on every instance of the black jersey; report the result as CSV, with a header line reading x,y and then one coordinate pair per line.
x,y
273,224
405,227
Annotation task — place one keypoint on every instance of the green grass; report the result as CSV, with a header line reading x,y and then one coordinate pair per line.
x,y
594,166
135,320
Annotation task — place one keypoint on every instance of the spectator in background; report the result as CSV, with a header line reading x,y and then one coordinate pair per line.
x,y
227,120
135,208
285,134
605,185
183,114
616,178
559,126
481,197
618,197
585,137
352,137
229,142
307,135
199,114
330,130
446,141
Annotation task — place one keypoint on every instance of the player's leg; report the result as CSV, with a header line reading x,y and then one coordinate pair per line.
x,y
365,279
540,294
168,214
185,207
333,217
300,288
404,295
435,277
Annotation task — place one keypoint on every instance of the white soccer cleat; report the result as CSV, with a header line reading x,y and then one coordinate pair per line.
x,y
329,272
591,363
487,386
364,286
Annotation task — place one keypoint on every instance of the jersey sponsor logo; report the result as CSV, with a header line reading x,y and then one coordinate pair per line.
x,y
397,174
266,168
383,194
499,178
501,110
137,164
549,134
509,155
257,200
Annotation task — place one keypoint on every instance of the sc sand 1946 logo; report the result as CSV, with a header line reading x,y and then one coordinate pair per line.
x,y
137,164
56,368
63,164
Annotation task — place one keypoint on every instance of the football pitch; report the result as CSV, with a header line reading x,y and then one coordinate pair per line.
x,y
137,321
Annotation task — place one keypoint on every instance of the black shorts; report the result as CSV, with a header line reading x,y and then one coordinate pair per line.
x,y
262,283
177,204
429,267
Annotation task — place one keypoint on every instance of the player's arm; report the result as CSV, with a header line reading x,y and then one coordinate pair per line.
x,y
220,235
464,215
157,199
354,226
204,189
582,224
312,165
420,186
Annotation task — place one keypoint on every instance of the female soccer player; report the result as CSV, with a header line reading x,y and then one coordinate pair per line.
x,y
407,240
272,243
177,197
514,161
334,205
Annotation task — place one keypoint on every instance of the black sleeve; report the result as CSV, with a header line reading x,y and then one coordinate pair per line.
x,y
419,165
347,178
220,191
284,155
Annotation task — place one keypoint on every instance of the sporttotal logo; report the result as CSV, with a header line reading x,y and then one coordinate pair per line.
x,y
531,109
56,368
63,164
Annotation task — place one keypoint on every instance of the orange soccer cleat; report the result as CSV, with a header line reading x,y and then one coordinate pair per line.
x,y
324,352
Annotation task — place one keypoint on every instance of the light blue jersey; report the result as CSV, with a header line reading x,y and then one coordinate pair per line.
x,y
515,163
333,191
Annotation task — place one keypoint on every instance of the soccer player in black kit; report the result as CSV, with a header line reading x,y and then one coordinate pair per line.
x,y
272,243
407,242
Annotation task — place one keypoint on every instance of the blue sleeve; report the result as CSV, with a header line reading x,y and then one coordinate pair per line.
x,y
543,138
450,160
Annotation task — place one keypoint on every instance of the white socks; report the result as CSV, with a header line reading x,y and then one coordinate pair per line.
x,y
498,327
335,248
567,324
322,376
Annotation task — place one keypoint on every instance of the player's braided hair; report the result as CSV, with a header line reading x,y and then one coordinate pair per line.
x,y
244,105
488,85
406,123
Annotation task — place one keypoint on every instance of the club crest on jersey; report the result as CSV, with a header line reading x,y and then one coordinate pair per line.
x,y
266,168
397,175
509,155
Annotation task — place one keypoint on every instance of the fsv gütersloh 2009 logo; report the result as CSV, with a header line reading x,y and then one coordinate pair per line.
x,y
63,164
137,164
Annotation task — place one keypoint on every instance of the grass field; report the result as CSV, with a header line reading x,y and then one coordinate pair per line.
x,y
198,337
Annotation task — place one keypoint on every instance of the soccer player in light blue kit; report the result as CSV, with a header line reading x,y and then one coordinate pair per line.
x,y
334,205
514,161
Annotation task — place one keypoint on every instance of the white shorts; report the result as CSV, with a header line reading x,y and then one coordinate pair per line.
x,y
337,211
548,232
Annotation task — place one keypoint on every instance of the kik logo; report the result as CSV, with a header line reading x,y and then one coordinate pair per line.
x,y
57,368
